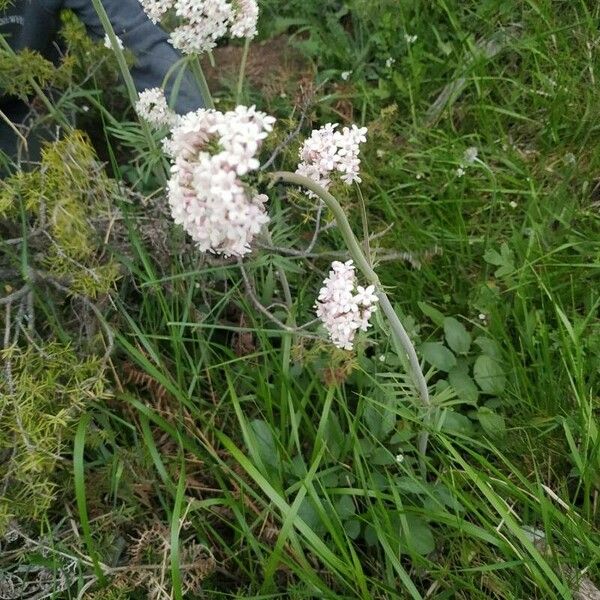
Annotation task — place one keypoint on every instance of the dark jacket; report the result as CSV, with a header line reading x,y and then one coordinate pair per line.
x,y
34,23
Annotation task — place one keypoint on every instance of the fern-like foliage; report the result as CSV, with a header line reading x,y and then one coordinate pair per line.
x,y
68,198
43,391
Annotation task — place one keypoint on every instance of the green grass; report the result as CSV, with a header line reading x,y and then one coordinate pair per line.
x,y
295,465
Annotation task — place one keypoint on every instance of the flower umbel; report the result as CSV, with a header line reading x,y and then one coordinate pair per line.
x,y
344,307
203,22
329,150
152,107
210,153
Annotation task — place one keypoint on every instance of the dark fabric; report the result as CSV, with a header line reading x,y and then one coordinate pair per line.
x,y
34,24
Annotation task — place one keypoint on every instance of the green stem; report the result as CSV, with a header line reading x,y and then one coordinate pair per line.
x,y
398,331
242,73
201,80
401,339
127,78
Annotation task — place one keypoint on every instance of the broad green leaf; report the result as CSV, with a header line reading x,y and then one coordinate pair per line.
x,y
418,534
457,336
433,313
489,347
436,354
352,528
463,385
454,422
344,507
489,375
492,422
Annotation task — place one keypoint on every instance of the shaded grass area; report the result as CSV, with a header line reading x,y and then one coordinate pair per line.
x,y
267,464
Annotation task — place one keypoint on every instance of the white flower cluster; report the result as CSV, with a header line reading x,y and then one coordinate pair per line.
x,y
152,107
205,21
155,9
210,151
108,43
328,150
344,307
469,157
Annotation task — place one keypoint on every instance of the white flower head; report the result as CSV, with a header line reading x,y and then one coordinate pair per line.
x,y
155,9
329,150
203,22
245,19
152,107
344,307
389,62
345,75
210,152
108,44
470,155
410,39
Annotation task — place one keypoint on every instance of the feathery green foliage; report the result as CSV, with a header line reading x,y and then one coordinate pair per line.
x,y
42,394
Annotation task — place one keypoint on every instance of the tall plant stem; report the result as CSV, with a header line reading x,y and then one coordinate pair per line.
x,y
399,334
127,78
201,80
242,73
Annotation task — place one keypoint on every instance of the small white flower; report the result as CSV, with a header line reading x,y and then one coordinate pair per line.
x,y
460,172
470,155
346,75
108,44
410,39
342,311
419,175
513,204
482,317
399,458
389,62
382,358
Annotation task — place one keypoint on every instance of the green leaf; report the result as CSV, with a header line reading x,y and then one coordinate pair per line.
x,y
489,375
492,422
489,347
457,336
352,528
463,385
454,422
345,508
265,442
503,259
436,354
379,415
419,535
433,313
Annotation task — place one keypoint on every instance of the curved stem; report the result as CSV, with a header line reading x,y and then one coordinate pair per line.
x,y
398,331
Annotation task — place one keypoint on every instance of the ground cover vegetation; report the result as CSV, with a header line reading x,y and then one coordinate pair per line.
x,y
177,424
